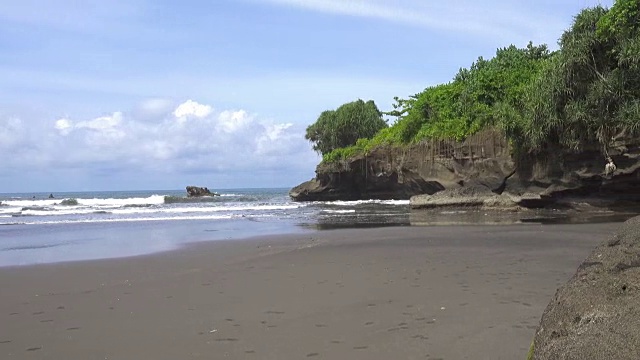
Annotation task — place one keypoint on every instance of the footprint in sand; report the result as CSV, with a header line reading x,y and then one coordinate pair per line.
x,y
5,341
249,351
13,314
73,328
321,325
360,347
312,354
336,342
368,323
46,321
38,313
34,348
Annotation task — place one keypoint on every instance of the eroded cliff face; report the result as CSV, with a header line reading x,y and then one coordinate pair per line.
x,y
483,160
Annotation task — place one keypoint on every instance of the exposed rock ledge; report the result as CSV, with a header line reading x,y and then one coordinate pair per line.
x,y
477,197
596,315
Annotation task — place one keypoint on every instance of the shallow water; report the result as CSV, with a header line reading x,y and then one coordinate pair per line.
x,y
36,229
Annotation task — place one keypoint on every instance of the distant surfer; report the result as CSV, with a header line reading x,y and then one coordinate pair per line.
x,y
50,196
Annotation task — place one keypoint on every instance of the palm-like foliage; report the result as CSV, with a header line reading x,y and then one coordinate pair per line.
x,y
589,92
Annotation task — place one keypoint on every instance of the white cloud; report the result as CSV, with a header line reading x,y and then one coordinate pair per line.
x,y
191,108
222,142
231,121
103,123
276,139
510,20
64,125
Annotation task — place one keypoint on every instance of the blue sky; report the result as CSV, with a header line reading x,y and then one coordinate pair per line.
x,y
142,94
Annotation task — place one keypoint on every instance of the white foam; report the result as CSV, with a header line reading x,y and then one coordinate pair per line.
x,y
151,200
360,202
339,211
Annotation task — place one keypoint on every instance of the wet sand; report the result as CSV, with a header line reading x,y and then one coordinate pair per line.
x,y
442,292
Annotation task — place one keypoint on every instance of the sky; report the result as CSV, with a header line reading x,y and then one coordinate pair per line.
x,y
161,94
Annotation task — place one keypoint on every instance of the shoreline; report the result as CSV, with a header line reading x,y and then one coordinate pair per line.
x,y
406,292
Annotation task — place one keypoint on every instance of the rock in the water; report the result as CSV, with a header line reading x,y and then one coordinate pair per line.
x,y
195,191
596,315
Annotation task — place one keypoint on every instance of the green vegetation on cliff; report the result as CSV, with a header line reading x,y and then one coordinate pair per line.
x,y
586,92
344,126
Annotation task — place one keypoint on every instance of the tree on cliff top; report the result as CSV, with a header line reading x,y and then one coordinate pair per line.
x,y
590,93
344,126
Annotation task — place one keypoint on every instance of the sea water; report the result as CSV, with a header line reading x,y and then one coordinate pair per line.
x,y
35,228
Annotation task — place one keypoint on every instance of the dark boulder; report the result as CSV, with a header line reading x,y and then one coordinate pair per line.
x,y
596,315
195,191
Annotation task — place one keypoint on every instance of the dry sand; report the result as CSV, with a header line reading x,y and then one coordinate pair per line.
x,y
449,292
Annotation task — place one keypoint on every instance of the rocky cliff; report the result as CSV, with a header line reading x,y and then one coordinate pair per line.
x,y
596,315
482,161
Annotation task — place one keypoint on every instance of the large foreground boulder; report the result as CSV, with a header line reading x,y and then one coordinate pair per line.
x,y
596,315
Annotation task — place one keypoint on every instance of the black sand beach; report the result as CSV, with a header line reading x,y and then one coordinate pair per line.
x,y
441,292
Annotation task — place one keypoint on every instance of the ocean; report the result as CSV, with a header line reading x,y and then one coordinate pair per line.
x,y
72,226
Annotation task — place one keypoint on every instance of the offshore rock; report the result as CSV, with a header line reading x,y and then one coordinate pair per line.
x,y
195,191
596,315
